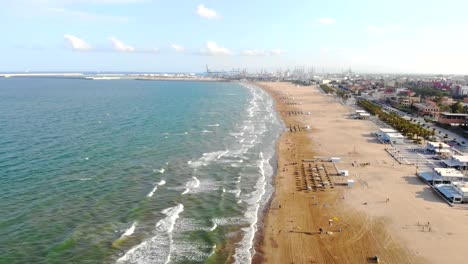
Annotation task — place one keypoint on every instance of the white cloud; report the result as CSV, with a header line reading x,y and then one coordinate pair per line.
x,y
213,49
256,52
120,46
207,13
77,43
177,48
327,21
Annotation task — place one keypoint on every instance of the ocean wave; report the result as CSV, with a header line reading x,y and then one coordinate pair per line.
x,y
206,158
129,231
162,170
158,248
214,125
162,182
229,221
167,224
207,131
222,154
181,134
236,192
84,179
152,191
245,250
213,227
192,184
237,134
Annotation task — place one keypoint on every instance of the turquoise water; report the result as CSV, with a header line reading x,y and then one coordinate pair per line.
x,y
132,171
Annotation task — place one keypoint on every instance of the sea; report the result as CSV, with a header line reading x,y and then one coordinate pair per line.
x,y
133,171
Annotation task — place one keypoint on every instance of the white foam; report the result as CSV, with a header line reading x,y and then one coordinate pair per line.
x,y
162,170
229,221
234,134
245,250
213,227
158,248
207,158
192,184
207,131
167,224
222,154
237,192
129,231
162,182
214,125
152,191
84,179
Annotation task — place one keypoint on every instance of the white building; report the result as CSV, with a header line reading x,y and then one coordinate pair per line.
x,y
454,193
362,115
457,162
442,176
463,90
437,147
391,136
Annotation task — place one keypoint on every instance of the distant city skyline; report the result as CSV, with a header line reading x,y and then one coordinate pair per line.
x,y
397,36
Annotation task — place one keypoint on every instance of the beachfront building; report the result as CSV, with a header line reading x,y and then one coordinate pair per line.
x,y
363,116
394,138
437,148
427,109
452,119
453,193
441,176
459,162
390,136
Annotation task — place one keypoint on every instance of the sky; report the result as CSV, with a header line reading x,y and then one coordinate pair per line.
x,y
397,36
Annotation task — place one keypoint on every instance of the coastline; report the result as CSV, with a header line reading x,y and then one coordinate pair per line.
x,y
288,229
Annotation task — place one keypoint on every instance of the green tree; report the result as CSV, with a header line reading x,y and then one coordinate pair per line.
x,y
456,108
465,109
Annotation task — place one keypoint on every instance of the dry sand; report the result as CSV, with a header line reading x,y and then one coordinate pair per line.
x,y
369,224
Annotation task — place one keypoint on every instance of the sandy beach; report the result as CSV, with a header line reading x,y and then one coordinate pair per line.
x,y
388,213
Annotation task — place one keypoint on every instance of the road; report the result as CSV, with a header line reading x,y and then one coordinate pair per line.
x,y
440,132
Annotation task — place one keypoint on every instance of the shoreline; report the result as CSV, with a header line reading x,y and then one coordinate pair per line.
x,y
291,211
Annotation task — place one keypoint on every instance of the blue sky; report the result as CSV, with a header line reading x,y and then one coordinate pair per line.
x,y
153,35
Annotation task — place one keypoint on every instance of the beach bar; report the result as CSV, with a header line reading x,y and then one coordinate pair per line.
x,y
441,176
453,193
437,147
363,116
389,135
457,162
